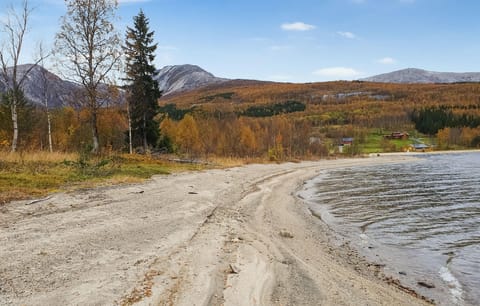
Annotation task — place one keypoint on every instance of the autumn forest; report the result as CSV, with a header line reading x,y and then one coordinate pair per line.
x,y
259,119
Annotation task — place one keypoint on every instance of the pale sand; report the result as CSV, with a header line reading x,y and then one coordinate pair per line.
x,y
219,237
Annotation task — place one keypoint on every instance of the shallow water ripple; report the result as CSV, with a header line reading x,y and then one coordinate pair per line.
x,y
432,206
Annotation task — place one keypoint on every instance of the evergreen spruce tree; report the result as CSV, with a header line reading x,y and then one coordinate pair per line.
x,y
143,91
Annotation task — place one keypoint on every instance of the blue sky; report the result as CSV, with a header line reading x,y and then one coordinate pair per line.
x,y
296,40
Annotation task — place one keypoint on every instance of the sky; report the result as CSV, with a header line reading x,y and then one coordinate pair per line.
x,y
294,40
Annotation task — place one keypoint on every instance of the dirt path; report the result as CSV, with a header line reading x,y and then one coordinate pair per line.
x,y
218,237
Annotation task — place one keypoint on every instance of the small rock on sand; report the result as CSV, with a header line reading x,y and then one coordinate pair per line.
x,y
286,234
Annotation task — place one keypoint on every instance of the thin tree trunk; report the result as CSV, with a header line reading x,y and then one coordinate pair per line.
x,y
94,132
47,111
130,145
49,123
15,123
46,87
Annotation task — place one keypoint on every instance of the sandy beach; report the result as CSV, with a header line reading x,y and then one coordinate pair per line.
x,y
236,236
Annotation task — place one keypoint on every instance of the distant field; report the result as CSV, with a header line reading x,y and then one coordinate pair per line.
x,y
376,143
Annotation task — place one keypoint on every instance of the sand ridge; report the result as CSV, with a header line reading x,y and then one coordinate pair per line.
x,y
236,236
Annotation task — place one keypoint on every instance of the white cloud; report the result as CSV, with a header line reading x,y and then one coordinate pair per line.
x,y
386,61
349,35
337,73
297,26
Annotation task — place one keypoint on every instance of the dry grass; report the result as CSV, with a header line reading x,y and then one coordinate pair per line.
x,y
32,174
229,162
43,156
25,175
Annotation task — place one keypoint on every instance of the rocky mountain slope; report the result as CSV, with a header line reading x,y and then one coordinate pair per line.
x,y
171,79
413,75
39,81
180,78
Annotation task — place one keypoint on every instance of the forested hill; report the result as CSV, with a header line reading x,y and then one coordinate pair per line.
x,y
311,118
238,93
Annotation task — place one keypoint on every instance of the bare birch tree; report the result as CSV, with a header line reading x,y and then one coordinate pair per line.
x,y
89,48
14,28
46,93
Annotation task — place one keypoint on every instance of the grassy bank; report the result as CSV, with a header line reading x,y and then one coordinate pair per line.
x,y
36,174
27,175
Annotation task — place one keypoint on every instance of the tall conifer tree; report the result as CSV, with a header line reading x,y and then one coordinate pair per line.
x,y
142,88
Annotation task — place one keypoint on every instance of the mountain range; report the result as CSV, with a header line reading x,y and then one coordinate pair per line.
x,y
171,79
57,90
179,78
182,78
420,76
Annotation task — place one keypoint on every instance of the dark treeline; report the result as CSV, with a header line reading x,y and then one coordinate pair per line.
x,y
430,120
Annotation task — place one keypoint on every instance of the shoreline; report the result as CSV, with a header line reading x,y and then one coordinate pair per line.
x,y
236,236
350,253
414,153
370,254
429,275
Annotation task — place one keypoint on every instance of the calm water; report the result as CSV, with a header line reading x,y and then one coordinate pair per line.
x,y
421,219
